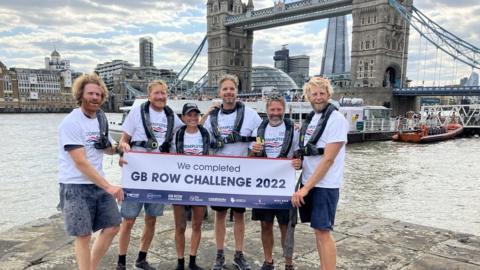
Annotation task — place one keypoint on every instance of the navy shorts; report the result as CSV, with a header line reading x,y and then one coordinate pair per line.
x,y
234,209
320,208
268,215
87,208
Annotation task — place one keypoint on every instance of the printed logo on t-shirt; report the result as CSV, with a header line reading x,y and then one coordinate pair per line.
x,y
273,145
226,130
310,129
160,129
92,137
193,149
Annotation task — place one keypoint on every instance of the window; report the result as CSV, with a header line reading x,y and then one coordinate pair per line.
x,y
361,45
373,44
367,45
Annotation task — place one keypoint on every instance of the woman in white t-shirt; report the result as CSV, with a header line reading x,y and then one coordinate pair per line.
x,y
191,139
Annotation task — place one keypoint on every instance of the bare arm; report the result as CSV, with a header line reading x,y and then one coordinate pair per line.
x,y
124,146
83,165
331,152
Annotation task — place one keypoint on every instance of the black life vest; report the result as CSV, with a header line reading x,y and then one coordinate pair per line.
x,y
235,135
103,142
179,140
287,139
151,142
310,148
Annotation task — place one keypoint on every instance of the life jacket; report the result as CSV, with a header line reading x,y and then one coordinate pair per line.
x,y
151,142
287,139
235,135
310,148
179,140
103,142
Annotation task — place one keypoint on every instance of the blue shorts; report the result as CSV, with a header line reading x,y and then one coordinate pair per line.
x,y
320,208
87,208
268,215
131,209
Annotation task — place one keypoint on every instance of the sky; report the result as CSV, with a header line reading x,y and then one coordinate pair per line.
x,y
89,32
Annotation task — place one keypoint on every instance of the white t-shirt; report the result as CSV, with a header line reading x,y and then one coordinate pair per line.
x,y
274,137
133,126
335,131
192,143
226,125
78,129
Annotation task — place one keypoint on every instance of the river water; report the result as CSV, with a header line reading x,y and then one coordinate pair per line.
x,y
435,185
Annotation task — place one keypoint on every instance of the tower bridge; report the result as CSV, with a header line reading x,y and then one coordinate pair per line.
x,y
379,53
379,39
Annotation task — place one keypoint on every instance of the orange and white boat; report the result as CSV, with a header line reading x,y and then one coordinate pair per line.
x,y
425,134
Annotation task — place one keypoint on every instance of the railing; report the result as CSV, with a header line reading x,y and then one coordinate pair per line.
x,y
380,125
307,5
467,115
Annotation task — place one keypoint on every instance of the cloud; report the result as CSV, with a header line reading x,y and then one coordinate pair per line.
x,y
89,32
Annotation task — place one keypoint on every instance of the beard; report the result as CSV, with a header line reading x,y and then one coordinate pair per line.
x,y
275,120
318,107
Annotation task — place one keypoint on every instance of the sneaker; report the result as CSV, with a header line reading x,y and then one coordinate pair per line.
x,y
180,267
289,267
240,262
219,262
195,267
121,267
144,265
267,266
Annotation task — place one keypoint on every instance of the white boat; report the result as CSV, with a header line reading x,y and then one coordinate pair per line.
x,y
366,122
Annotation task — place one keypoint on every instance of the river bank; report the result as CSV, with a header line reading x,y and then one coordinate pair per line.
x,y
363,242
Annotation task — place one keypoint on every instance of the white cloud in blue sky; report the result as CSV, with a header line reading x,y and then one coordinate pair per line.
x,y
89,32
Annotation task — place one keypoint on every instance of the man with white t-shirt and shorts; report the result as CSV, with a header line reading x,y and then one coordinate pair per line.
x,y
322,144
148,127
87,199
276,138
231,128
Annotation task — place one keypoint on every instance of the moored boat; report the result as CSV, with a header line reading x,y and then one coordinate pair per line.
x,y
424,134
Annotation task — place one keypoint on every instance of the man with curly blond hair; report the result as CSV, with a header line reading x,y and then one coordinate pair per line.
x,y
87,199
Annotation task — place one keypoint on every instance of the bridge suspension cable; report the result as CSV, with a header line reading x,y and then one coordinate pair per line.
x,y
449,43
186,69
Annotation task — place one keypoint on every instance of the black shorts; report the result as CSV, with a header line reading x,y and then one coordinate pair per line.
x,y
234,209
268,215
320,208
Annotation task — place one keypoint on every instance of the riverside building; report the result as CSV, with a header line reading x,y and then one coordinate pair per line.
x,y
37,90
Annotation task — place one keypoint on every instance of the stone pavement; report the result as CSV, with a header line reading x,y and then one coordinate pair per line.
x,y
363,242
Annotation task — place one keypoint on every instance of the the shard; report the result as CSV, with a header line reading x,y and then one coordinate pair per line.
x,y
336,53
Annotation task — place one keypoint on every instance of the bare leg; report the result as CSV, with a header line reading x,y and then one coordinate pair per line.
x,y
101,245
180,226
220,228
326,249
148,232
283,233
124,237
82,251
239,230
267,240
197,219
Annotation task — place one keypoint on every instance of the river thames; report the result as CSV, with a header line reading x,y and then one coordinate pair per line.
x,y
434,185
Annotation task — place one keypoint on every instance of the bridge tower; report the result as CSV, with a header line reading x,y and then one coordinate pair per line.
x,y
379,44
229,49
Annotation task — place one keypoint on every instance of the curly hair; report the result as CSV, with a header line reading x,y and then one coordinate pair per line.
x,y
317,82
79,86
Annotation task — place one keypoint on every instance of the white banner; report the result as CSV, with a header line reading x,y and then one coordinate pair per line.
x,y
208,180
